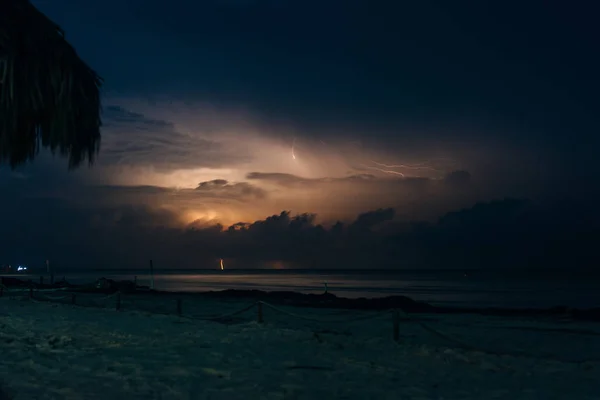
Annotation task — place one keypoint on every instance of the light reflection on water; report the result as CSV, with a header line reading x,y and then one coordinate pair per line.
x,y
441,287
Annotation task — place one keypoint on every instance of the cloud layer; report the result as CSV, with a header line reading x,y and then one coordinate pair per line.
x,y
508,233
186,191
224,168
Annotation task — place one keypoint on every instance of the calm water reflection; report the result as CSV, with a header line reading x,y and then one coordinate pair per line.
x,y
488,288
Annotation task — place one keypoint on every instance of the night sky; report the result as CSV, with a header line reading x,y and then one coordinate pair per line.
x,y
376,114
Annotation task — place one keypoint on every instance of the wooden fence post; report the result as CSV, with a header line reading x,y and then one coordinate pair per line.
x,y
260,312
396,326
179,307
151,275
118,301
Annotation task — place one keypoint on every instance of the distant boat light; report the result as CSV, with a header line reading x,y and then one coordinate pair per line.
x,y
20,268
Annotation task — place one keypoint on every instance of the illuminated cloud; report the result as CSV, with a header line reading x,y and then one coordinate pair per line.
x,y
222,188
204,168
198,164
203,163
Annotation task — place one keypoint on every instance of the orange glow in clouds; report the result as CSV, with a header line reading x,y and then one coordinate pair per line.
x,y
312,175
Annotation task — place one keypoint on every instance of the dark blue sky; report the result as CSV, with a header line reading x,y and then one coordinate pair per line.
x,y
523,72
323,107
528,62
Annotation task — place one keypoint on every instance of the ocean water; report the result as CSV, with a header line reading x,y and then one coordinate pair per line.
x,y
496,288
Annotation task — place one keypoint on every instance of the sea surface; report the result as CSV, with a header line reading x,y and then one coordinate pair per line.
x,y
480,288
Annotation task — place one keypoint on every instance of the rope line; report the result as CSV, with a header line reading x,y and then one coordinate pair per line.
x,y
407,317
53,298
485,349
38,293
110,296
291,314
223,316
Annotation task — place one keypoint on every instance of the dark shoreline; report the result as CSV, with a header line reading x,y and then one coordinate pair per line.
x,y
324,300
406,304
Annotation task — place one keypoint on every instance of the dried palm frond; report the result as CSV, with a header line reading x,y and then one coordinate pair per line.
x,y
48,96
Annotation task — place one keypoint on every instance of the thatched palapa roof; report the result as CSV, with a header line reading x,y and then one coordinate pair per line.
x,y
48,95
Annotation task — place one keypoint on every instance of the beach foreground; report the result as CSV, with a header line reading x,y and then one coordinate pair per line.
x,y
60,351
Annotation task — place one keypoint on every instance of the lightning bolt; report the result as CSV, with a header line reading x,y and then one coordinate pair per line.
x,y
293,145
406,166
386,171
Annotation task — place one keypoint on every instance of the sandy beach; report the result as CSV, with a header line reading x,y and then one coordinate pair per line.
x,y
53,350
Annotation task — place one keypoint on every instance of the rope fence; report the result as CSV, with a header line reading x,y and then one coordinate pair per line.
x,y
404,328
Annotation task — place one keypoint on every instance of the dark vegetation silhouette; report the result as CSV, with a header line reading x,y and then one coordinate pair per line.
x,y
49,97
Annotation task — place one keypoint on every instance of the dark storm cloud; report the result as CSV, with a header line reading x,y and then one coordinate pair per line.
x,y
223,188
531,63
215,183
45,182
371,219
142,189
293,180
215,189
493,234
458,178
134,139
416,74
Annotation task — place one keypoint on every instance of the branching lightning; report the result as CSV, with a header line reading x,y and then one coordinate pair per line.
x,y
404,170
392,168
406,166
386,171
